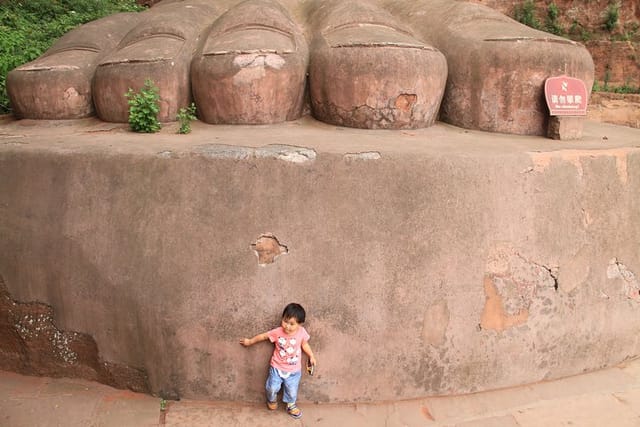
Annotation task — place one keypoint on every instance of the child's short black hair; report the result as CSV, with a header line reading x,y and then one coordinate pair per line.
x,y
295,311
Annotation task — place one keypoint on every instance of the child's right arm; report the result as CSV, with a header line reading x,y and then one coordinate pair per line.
x,y
251,341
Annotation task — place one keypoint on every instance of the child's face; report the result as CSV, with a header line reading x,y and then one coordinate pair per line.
x,y
290,325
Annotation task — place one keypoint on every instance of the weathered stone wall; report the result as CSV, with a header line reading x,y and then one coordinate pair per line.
x,y
618,62
615,54
430,262
615,108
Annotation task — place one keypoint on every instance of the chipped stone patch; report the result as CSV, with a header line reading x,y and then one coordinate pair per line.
x,y
222,151
367,155
259,60
494,315
542,160
167,154
287,153
630,285
32,344
253,66
511,284
268,248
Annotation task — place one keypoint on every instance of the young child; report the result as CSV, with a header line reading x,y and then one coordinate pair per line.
x,y
286,362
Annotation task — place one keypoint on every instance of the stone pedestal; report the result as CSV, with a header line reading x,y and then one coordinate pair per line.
x,y
565,127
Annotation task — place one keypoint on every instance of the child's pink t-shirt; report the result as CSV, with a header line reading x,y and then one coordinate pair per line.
x,y
287,353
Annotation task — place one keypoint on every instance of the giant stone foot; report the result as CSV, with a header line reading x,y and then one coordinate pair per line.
x,y
497,66
159,48
251,68
371,64
58,84
367,71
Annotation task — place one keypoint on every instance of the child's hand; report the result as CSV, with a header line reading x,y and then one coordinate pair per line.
x,y
251,341
311,365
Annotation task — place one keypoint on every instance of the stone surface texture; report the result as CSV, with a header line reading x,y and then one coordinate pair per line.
x,y
609,397
565,127
431,262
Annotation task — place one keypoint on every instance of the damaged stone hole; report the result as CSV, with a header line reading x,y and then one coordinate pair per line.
x,y
405,101
630,284
268,248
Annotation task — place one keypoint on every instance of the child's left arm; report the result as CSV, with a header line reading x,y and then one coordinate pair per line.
x,y
307,349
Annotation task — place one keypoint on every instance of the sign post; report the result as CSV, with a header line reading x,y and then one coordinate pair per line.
x,y
567,101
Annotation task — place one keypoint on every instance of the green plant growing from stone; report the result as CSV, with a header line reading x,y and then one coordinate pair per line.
x,y
551,24
526,14
163,405
586,36
612,15
185,116
627,87
144,107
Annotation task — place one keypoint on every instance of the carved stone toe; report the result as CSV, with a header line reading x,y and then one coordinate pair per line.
x,y
368,72
251,67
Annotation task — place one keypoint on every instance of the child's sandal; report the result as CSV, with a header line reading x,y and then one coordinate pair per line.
x,y
294,411
272,405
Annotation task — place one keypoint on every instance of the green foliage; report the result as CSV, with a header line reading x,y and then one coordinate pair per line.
x,y
526,14
551,23
629,32
163,404
577,31
585,35
185,116
612,15
144,107
626,88
29,27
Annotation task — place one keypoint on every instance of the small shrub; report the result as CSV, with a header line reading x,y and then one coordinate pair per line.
x,y
526,14
551,24
596,86
627,88
585,35
185,116
144,107
612,15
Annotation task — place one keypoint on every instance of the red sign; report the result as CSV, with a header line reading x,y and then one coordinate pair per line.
x,y
566,96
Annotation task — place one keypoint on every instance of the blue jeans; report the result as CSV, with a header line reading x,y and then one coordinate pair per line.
x,y
276,379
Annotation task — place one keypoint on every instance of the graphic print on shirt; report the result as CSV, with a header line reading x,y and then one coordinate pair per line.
x,y
287,350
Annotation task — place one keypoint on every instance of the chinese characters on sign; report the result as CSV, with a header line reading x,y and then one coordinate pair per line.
x,y
566,96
